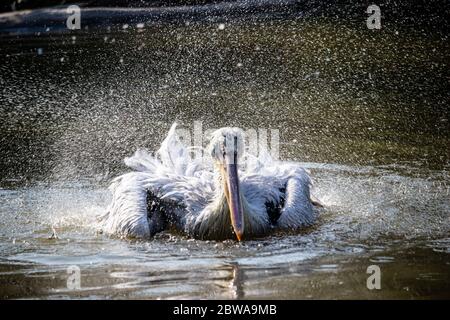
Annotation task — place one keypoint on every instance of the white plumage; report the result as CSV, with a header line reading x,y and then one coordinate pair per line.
x,y
209,197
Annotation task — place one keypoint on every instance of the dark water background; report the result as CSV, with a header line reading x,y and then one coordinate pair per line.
x,y
365,110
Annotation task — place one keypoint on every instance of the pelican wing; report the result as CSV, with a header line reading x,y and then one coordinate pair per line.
x,y
167,187
297,209
283,188
127,213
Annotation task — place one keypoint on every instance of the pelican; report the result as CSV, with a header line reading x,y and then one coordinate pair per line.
x,y
235,195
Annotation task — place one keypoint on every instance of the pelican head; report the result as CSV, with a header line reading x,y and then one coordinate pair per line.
x,y
226,148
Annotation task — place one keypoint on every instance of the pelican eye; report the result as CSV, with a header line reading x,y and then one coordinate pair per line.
x,y
224,146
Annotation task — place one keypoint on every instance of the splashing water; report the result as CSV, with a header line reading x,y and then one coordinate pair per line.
x,y
75,107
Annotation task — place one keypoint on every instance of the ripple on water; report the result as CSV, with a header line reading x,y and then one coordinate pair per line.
x,y
354,226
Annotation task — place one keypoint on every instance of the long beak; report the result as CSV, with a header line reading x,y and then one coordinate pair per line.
x,y
232,193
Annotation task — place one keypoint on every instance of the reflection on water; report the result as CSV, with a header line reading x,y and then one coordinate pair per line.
x,y
367,113
326,261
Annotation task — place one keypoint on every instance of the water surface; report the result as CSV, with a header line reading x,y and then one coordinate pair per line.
x,y
366,112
